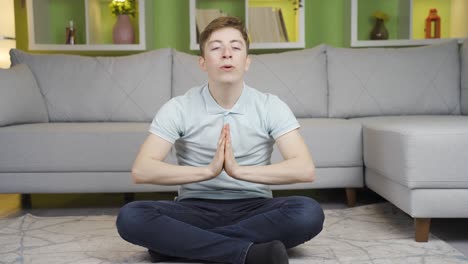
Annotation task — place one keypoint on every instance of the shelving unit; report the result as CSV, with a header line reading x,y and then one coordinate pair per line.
x,y
47,20
293,20
407,21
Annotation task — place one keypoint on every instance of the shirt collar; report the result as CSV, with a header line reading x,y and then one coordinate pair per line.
x,y
212,107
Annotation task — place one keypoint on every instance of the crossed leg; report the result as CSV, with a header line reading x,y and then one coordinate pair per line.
x,y
218,230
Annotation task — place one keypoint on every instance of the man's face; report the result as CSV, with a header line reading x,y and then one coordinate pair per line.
x,y
225,58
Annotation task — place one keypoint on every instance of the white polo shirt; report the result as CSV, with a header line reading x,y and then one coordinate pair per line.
x,y
193,122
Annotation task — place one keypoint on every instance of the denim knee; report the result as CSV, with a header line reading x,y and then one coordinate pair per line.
x,y
307,217
128,219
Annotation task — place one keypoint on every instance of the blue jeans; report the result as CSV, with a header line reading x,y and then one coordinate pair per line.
x,y
219,230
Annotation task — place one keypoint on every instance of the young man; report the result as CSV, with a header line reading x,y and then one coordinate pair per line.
x,y
223,133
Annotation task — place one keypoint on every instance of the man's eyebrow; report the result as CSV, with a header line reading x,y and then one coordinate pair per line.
x,y
237,41
214,41
220,42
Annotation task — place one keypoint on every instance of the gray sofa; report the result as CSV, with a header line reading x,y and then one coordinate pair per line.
x,y
391,119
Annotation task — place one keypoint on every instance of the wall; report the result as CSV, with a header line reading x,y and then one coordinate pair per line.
x,y
7,28
325,23
459,19
169,20
9,204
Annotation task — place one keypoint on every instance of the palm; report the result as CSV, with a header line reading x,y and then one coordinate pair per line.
x,y
224,156
216,166
230,164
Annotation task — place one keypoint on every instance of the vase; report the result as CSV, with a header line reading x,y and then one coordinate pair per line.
x,y
123,32
379,31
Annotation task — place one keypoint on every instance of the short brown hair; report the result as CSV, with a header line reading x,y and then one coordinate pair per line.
x,y
219,23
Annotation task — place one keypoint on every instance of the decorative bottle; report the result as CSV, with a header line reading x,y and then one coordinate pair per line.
x,y
70,33
379,32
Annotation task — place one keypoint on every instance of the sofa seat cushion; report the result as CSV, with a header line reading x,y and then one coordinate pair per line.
x,y
71,147
418,151
332,142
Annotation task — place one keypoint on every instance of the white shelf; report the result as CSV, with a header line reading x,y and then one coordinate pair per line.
x,y
405,28
300,43
87,47
94,27
403,42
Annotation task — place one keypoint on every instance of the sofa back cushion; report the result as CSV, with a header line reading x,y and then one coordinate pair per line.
x,y
299,78
394,81
186,73
79,88
20,99
464,78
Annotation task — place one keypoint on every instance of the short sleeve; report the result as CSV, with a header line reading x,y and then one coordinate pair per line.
x,y
280,118
168,122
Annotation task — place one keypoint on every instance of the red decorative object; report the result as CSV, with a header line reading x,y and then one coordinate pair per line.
x,y
433,18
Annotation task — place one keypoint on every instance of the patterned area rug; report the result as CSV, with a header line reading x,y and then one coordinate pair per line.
x,y
377,233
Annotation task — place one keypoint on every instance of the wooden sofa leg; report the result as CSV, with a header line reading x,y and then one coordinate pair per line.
x,y
351,196
422,229
26,202
129,197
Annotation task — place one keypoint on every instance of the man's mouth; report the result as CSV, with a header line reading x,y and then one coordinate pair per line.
x,y
227,67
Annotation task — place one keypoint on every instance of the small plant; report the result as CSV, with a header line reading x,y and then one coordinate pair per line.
x,y
380,15
123,7
297,4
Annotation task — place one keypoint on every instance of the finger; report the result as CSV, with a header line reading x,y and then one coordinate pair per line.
x,y
228,147
221,151
221,142
221,138
222,133
225,130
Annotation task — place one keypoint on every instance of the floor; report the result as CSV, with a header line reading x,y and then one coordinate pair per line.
x,y
453,231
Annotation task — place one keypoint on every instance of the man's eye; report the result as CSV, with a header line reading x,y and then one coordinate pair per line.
x,y
236,48
214,48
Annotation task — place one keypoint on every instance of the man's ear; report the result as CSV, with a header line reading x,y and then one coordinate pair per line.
x,y
201,62
247,62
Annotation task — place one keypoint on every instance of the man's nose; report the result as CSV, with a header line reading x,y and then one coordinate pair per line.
x,y
227,54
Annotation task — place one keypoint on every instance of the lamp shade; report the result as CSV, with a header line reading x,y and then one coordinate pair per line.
x,y
7,32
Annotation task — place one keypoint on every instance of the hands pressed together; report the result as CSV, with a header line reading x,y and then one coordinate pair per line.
x,y
224,156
